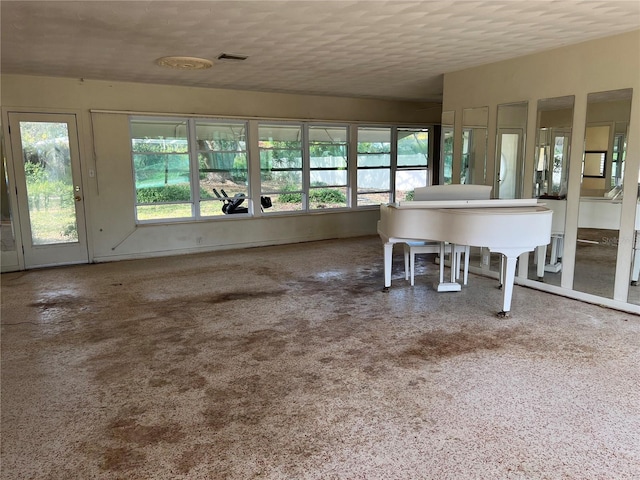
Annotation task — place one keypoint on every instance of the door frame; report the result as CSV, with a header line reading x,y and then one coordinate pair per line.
x,y
13,163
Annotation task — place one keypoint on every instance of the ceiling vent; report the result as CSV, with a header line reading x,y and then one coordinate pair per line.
x,y
232,56
185,63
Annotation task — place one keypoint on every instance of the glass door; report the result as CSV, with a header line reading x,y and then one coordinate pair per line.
x,y
48,185
510,165
511,125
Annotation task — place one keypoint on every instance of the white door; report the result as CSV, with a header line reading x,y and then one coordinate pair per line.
x,y
46,163
509,163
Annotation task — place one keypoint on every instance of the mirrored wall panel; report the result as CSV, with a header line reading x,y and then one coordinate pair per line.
x,y
474,145
554,121
634,289
447,147
511,128
606,130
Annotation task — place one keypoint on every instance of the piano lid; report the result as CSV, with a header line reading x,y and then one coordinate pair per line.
x,y
518,202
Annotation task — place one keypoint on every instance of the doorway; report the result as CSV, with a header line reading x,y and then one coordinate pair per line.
x,y
50,201
509,154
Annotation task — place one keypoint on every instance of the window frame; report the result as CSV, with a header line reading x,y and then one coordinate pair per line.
x,y
309,169
394,168
255,187
414,168
390,167
303,190
138,221
248,199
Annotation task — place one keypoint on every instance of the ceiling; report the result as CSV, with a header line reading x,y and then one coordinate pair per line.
x,y
373,49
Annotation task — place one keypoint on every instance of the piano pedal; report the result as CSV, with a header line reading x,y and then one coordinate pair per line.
x,y
503,314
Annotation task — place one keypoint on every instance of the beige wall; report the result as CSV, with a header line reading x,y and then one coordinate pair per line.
x,y
68,93
608,64
611,63
105,152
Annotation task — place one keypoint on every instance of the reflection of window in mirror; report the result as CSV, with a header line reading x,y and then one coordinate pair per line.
x,y
448,118
596,141
554,122
594,163
618,154
467,140
474,145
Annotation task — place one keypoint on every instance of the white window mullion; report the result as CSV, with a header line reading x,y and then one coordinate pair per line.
x,y
194,169
394,161
306,170
352,165
253,164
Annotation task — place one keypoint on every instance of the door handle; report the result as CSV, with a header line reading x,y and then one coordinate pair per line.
x,y
78,198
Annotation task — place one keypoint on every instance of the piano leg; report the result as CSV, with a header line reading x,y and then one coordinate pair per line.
x,y
555,265
541,252
388,258
509,275
451,286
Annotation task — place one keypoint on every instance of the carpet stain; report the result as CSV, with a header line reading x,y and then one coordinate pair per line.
x,y
445,344
113,373
122,459
236,296
193,456
245,400
129,431
185,380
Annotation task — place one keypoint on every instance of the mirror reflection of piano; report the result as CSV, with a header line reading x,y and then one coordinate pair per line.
x,y
601,213
509,227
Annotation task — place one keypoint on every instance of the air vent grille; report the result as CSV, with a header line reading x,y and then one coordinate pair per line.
x,y
232,56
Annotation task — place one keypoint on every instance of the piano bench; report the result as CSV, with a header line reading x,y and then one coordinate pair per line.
x,y
411,249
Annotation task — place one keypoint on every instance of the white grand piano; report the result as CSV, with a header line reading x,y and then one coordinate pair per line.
x,y
509,227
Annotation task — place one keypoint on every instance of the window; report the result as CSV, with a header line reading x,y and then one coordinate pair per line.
x,y
222,167
412,163
447,155
387,154
328,167
465,175
374,166
281,166
617,166
177,178
162,175
199,168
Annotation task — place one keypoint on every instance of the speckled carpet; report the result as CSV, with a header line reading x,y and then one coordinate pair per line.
x,y
290,362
